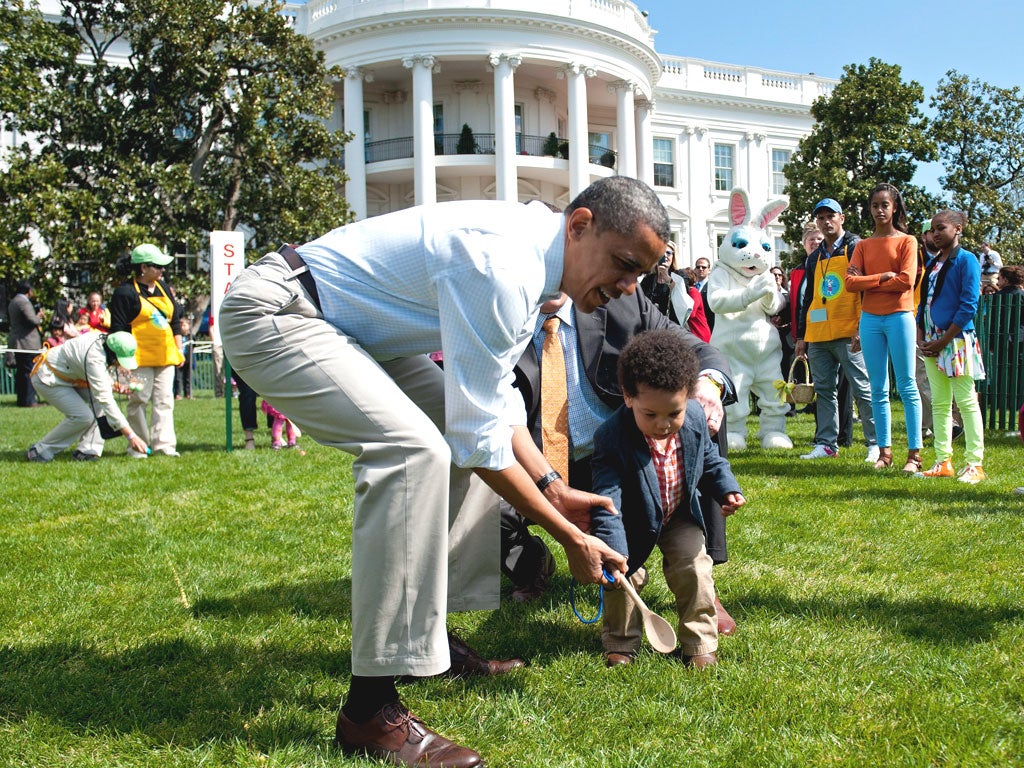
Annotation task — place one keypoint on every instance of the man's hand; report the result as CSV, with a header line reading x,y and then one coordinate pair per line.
x,y
733,501
800,350
709,396
587,558
575,505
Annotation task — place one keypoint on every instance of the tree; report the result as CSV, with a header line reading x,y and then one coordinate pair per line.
x,y
868,130
467,142
979,130
166,120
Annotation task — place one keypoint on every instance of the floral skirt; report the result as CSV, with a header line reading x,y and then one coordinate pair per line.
x,y
962,356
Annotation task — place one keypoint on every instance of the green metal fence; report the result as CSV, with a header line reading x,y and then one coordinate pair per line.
x,y
1000,324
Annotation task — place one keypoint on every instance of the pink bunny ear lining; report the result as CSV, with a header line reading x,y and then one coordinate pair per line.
x,y
771,212
738,208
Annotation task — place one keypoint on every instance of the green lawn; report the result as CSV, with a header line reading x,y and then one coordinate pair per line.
x,y
195,612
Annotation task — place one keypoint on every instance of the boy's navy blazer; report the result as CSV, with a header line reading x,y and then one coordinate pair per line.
x,y
624,471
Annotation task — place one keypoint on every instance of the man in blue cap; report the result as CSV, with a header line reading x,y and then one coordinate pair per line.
x,y
827,332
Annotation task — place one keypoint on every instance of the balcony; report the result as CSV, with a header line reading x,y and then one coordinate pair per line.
x,y
482,144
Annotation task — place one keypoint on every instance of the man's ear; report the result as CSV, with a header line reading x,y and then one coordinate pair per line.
x,y
576,223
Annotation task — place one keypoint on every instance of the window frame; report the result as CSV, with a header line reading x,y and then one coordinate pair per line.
x,y
732,146
671,144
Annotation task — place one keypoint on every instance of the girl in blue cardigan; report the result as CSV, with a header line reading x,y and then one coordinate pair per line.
x,y
945,334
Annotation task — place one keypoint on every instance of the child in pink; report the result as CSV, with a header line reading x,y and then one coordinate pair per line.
x,y
279,425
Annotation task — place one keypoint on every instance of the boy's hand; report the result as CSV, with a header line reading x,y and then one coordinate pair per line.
x,y
575,505
733,501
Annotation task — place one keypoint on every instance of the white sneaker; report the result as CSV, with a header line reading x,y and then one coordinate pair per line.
x,y
872,454
133,454
820,452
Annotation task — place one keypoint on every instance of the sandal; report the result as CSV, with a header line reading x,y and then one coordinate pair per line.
x,y
913,464
884,460
250,444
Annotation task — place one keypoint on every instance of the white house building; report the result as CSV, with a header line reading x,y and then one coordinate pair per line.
x,y
556,94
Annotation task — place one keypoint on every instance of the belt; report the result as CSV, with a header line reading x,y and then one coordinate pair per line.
x,y
291,256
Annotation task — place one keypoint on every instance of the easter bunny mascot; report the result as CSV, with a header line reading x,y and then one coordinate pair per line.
x,y
743,295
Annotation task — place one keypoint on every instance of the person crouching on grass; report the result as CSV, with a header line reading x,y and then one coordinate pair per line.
x,y
649,458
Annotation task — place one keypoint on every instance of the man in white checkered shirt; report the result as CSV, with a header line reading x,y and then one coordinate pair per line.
x,y
336,334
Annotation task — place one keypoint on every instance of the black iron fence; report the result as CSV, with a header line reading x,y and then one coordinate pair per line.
x,y
481,144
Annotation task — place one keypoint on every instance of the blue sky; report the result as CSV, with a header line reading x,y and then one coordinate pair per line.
x,y
980,39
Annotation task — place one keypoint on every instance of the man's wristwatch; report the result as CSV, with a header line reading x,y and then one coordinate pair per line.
x,y
547,480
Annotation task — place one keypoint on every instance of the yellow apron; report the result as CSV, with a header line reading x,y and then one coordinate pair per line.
x,y
152,330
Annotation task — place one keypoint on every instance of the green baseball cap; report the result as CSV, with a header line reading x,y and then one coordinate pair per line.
x,y
123,345
147,253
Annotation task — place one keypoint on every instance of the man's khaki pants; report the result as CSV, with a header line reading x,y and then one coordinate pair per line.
x,y
424,534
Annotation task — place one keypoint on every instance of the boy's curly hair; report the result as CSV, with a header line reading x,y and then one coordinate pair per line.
x,y
659,360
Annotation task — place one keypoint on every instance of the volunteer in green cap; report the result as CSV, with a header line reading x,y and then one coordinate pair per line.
x,y
145,307
74,378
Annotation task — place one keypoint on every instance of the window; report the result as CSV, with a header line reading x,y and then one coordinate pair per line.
x,y
664,167
780,158
439,130
600,147
519,127
724,166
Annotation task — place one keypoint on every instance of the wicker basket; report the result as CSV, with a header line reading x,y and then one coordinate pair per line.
x,y
799,393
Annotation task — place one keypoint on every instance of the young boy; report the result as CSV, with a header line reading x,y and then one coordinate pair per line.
x,y
649,457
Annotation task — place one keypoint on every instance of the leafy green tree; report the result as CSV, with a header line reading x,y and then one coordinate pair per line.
x,y
870,129
979,130
165,120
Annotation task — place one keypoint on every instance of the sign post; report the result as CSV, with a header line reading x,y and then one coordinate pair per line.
x,y
227,260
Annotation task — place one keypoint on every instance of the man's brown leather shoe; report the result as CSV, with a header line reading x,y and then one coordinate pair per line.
x,y
726,623
700,661
396,735
539,585
468,663
613,659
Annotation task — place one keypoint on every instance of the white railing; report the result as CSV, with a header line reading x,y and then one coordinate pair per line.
x,y
686,74
622,16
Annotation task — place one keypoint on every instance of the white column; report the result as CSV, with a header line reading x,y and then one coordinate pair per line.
x,y
645,143
579,141
422,67
625,127
355,150
506,183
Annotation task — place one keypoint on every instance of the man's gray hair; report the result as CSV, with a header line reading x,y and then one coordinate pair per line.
x,y
623,205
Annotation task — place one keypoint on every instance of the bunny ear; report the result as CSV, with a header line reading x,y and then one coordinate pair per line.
x,y
771,212
739,207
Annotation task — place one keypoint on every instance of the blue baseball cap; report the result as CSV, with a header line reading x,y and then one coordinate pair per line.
x,y
829,203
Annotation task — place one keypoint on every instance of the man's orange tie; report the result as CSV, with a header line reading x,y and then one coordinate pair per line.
x,y
554,400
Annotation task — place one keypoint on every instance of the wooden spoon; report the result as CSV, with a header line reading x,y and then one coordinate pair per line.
x,y
659,632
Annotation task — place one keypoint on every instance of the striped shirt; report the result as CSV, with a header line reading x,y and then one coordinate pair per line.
x,y
668,465
464,277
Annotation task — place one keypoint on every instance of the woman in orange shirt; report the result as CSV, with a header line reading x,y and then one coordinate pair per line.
x,y
884,268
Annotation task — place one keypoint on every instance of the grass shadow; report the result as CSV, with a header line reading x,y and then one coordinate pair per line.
x,y
935,621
